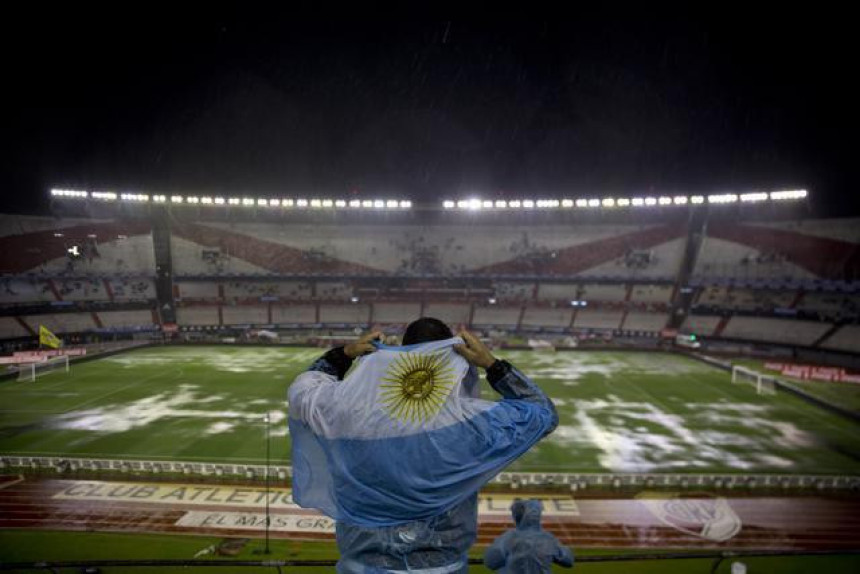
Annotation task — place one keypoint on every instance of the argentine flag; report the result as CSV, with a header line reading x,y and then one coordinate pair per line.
x,y
403,437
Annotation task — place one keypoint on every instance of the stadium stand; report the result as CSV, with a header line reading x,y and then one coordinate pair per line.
x,y
451,313
652,322
78,262
721,258
408,250
197,316
197,290
612,251
126,319
793,332
742,299
190,259
132,289
282,290
547,317
659,262
781,250
508,292
210,249
245,315
558,291
24,290
589,318
129,255
701,324
62,322
10,328
81,289
242,273
98,247
830,305
293,314
333,290
293,290
595,292
589,251
651,293
305,246
358,313
496,316
715,296
395,313
847,338
250,289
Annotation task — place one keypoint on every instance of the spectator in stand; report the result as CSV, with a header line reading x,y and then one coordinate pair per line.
x,y
527,549
389,516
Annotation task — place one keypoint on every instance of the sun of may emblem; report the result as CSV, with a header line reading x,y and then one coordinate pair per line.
x,y
415,386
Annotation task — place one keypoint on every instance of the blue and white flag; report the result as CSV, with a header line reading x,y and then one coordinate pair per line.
x,y
403,437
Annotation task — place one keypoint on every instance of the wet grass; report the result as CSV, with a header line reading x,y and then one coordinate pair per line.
x,y
621,412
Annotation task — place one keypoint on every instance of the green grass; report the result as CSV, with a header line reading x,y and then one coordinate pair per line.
x,y
42,545
619,412
655,412
845,395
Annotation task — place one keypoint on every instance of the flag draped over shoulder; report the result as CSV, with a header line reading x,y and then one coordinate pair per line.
x,y
48,338
403,437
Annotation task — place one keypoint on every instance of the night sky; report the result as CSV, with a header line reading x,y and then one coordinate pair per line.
x,y
272,105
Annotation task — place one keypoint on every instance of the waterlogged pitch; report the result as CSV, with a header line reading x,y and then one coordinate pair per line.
x,y
621,412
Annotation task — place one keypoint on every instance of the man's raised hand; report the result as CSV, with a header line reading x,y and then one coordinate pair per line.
x,y
475,351
364,344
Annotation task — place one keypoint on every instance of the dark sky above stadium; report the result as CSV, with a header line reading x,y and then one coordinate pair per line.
x,y
533,106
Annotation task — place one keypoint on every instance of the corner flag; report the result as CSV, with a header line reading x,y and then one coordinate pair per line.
x,y
48,338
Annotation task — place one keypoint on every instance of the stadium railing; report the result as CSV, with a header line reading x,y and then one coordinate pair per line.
x,y
514,480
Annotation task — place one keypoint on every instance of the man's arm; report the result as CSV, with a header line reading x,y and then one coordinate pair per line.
x,y
509,382
337,361
329,368
505,378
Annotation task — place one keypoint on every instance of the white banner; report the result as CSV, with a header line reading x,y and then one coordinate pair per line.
x,y
813,372
489,505
178,494
256,521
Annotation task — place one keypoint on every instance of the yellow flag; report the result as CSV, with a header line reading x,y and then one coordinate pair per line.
x,y
48,338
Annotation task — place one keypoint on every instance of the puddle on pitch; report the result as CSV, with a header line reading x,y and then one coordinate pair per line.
x,y
262,360
741,438
161,408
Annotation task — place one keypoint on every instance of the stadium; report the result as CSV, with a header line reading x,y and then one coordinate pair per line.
x,y
656,327
699,340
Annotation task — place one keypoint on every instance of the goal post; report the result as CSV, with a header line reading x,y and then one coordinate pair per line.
x,y
31,371
764,384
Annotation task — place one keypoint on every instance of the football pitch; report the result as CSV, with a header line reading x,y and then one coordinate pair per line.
x,y
619,412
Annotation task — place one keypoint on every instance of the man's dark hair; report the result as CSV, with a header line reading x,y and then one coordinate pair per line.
x,y
426,329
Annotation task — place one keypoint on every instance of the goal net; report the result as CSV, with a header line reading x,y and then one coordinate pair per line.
x,y
30,371
764,384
